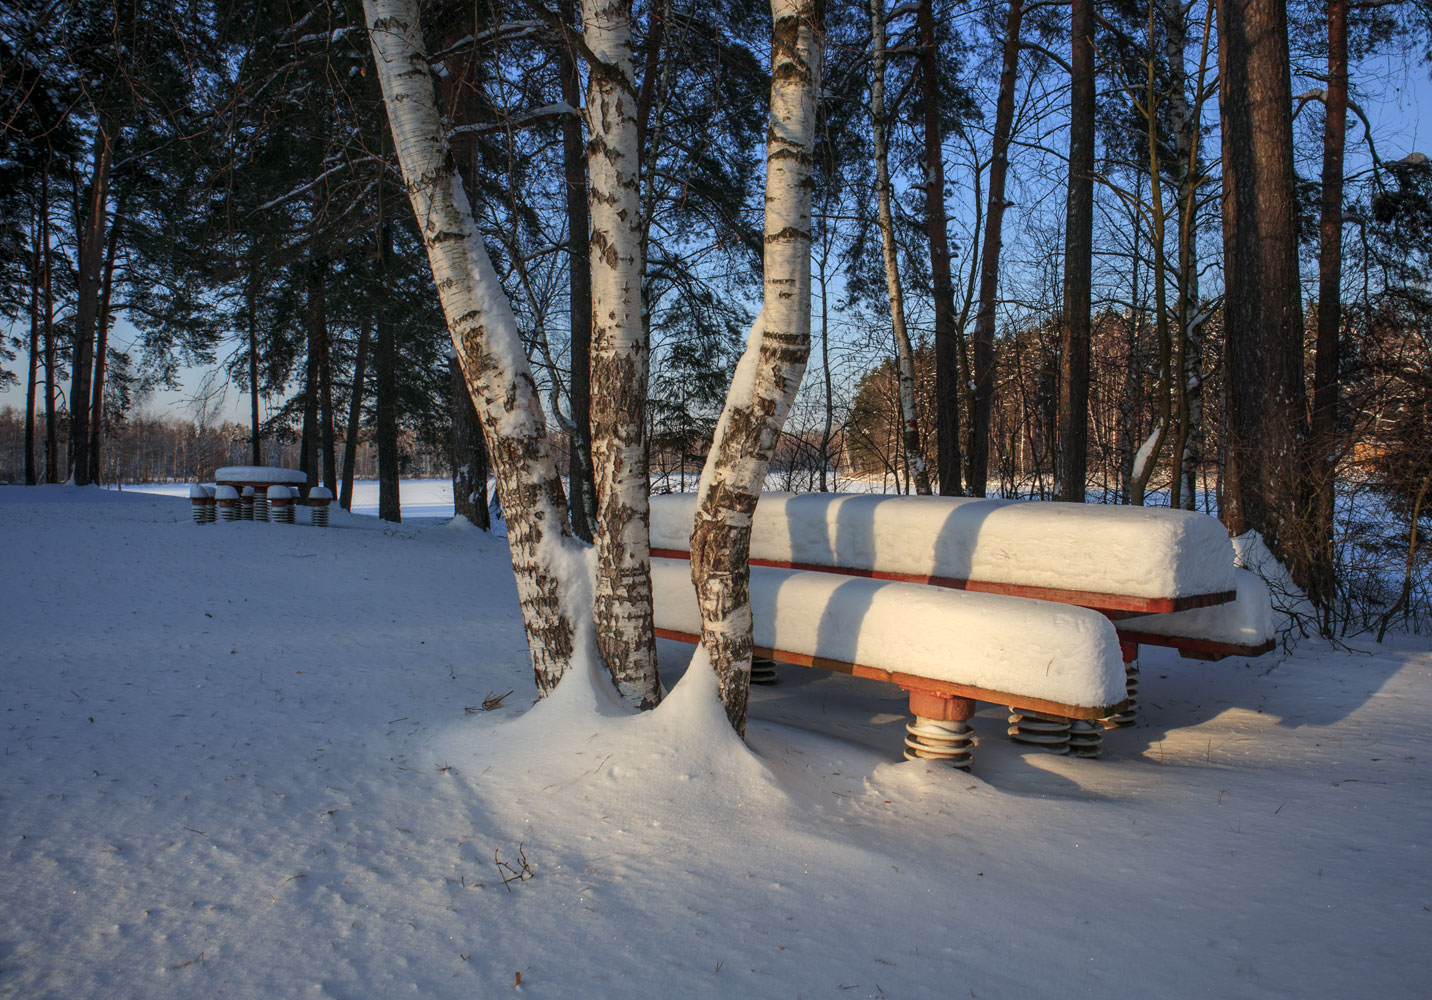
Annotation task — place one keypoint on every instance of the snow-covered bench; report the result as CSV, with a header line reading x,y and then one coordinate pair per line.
x,y
1165,576
1057,666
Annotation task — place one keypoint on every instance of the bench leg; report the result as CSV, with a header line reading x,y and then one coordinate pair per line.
x,y
763,670
1130,715
940,730
1049,732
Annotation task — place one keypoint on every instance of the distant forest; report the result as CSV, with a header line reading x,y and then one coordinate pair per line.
x,y
1144,251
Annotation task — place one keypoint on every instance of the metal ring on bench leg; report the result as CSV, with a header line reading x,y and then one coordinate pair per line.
x,y
1086,738
1050,732
937,739
1130,714
763,670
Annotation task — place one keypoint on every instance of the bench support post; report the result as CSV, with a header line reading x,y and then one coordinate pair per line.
x,y
941,729
1129,650
763,670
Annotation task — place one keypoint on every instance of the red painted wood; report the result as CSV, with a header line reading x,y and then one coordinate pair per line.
x,y
1113,605
1208,646
914,682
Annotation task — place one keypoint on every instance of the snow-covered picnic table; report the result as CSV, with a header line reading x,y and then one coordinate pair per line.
x,y
260,477
1164,576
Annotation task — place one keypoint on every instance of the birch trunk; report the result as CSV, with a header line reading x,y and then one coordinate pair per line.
x,y
355,415
484,331
904,356
101,350
31,473
52,442
619,357
770,370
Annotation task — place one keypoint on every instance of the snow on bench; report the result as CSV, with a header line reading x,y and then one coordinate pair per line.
x,y
1051,663
1115,559
1167,576
1242,627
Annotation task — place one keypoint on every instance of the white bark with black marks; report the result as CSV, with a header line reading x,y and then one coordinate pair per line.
x,y
770,369
549,567
619,357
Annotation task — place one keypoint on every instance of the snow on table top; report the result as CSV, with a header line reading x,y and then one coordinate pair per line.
x,y
258,474
1007,644
1247,620
1133,551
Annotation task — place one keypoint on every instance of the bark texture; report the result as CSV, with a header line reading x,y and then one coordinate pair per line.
x,y
469,454
947,349
485,335
1070,471
1266,407
619,358
982,362
770,370
355,415
91,253
1322,453
579,296
904,355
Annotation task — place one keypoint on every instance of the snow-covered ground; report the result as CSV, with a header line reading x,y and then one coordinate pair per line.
x,y
254,760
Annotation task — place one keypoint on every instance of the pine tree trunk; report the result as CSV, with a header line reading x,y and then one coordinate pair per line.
x,y
355,414
904,355
769,371
251,308
619,358
32,374
1322,461
469,453
325,396
1265,426
579,296
1071,472
385,430
308,443
91,251
947,349
52,443
982,373
485,334
101,353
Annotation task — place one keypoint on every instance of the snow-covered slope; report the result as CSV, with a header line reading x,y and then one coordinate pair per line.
x,y
252,761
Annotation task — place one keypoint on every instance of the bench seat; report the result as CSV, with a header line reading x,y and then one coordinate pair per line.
x,y
949,649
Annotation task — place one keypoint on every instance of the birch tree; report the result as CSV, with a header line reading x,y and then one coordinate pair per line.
x,y
770,370
619,356
549,571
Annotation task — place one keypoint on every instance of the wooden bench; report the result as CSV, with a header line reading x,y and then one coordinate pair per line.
x,y
1057,666
1163,576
